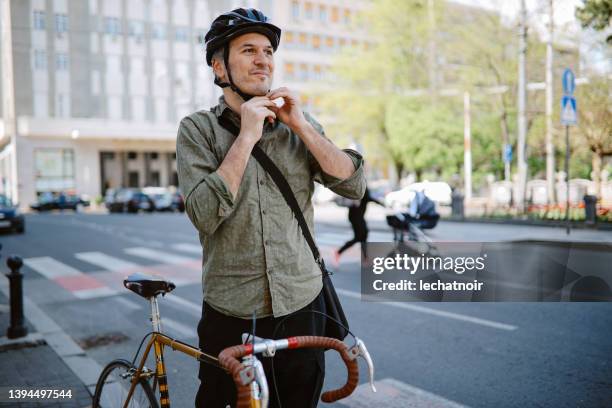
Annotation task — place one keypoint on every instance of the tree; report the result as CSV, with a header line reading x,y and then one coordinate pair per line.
x,y
596,14
595,122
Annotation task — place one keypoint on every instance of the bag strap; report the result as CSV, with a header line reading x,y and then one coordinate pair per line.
x,y
282,184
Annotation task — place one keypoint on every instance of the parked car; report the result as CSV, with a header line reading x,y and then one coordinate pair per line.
x,y
140,201
119,200
438,191
10,217
62,201
178,202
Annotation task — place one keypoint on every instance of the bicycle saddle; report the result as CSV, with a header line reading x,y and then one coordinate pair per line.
x,y
147,285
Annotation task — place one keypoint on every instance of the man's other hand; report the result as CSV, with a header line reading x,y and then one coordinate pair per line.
x,y
291,112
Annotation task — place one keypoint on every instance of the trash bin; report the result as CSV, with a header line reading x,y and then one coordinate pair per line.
x,y
457,204
590,209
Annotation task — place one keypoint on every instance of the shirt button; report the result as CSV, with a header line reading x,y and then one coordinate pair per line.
x,y
261,182
263,212
266,242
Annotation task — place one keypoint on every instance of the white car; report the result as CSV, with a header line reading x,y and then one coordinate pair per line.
x,y
438,191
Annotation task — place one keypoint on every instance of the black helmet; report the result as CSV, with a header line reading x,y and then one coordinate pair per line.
x,y
235,23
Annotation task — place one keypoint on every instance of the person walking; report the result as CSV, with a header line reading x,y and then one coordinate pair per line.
x,y
255,258
356,216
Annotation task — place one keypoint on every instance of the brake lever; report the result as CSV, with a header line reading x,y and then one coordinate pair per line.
x,y
363,352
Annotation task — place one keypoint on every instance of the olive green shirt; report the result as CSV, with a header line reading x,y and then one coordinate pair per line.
x,y
255,256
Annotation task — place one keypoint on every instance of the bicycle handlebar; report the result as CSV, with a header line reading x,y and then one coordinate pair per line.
x,y
228,358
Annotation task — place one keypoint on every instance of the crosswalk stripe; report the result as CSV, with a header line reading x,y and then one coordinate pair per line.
x,y
181,329
81,285
51,268
158,255
190,307
186,247
105,261
127,303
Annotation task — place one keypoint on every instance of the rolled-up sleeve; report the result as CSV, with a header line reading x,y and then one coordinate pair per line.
x,y
352,187
208,200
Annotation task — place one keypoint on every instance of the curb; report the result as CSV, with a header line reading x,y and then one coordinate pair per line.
x,y
86,369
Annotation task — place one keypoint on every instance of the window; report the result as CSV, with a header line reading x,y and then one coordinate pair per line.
x,y
317,72
303,40
288,40
329,43
308,10
136,29
289,70
154,179
158,31
201,37
61,23
61,61
303,72
295,10
181,34
40,60
347,16
132,155
335,15
133,179
342,42
112,26
323,14
54,169
154,155
316,42
39,20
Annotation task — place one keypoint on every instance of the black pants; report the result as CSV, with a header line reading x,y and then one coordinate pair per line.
x,y
299,373
360,230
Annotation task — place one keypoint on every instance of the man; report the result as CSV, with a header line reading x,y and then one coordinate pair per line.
x,y
256,259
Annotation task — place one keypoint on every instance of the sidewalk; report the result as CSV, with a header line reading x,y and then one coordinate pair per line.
x,y
451,230
33,362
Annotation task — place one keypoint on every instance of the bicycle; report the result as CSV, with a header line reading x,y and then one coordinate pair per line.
x,y
124,384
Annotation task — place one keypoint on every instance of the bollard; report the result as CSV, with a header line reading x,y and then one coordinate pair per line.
x,y
457,205
17,327
590,209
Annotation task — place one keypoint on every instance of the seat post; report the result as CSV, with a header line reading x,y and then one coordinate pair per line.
x,y
155,317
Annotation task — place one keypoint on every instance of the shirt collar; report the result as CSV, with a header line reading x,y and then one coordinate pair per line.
x,y
223,109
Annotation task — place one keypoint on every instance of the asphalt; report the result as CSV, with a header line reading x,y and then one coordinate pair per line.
x,y
448,354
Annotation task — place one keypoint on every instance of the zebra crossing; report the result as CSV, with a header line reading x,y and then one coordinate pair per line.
x,y
179,262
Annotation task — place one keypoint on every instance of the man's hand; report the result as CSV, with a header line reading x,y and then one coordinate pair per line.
x,y
252,116
291,112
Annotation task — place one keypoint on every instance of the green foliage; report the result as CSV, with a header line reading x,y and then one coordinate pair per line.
x,y
596,14
425,136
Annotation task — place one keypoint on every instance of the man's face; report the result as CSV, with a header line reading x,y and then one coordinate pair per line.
x,y
251,61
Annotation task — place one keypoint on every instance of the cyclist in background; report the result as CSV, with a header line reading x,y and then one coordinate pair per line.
x,y
255,256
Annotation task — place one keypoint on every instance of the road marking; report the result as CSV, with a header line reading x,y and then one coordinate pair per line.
x,y
50,268
392,393
158,255
105,261
181,329
439,313
186,247
79,284
190,307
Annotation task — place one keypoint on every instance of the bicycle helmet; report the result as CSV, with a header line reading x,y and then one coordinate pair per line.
x,y
233,24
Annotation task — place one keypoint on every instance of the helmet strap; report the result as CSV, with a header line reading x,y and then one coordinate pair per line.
x,y
231,84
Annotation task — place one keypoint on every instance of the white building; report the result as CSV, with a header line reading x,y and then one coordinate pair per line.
x,y
98,86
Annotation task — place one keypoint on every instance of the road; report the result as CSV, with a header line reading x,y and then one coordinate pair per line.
x,y
447,354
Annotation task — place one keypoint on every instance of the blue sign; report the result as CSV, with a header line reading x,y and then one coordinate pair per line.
x,y
568,82
508,153
569,111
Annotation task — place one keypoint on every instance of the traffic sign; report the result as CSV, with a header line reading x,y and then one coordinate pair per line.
x,y
508,153
568,82
569,111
